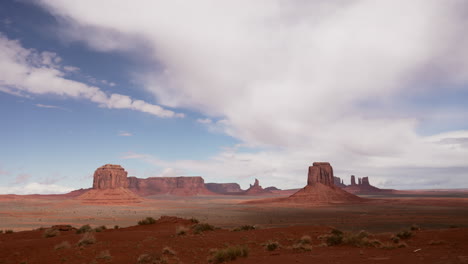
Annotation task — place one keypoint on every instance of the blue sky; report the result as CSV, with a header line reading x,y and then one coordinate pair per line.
x,y
233,91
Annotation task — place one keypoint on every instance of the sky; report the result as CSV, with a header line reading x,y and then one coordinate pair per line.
x,y
233,91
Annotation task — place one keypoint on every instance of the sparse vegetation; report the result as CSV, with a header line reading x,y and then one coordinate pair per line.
x,y
87,239
228,254
194,220
84,229
1,231
51,232
147,221
104,255
271,245
62,245
199,228
305,240
244,228
116,227
414,227
168,251
8,231
181,230
151,259
100,228
360,239
404,234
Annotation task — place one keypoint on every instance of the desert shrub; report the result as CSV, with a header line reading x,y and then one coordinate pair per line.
x,y
395,239
87,239
271,245
305,240
51,232
414,227
8,231
244,228
199,228
100,228
404,234
151,259
229,253
147,221
104,255
84,229
181,230
194,220
62,245
1,231
168,251
116,227
302,247
359,239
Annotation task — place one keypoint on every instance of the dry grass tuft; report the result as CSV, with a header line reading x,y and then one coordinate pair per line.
x,y
87,239
228,254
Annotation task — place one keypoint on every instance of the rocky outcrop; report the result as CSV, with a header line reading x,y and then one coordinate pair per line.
x,y
338,182
224,188
183,186
110,176
256,189
364,187
320,172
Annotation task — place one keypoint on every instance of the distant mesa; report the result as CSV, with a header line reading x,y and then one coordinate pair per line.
x,y
181,186
224,188
363,186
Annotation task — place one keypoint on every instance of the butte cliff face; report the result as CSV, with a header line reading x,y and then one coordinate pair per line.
x,y
224,188
110,176
182,186
320,172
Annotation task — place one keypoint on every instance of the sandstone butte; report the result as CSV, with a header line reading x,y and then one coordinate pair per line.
x,y
110,187
256,189
320,189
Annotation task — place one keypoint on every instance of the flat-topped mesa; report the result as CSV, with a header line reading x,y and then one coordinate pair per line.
x,y
110,176
320,172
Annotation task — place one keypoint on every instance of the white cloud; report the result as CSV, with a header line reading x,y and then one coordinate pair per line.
x,y
49,106
304,79
25,71
204,121
125,134
35,188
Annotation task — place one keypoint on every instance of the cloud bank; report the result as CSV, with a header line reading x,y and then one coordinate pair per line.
x,y
25,72
303,80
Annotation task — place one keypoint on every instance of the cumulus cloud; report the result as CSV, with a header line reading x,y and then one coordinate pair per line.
x,y
305,80
26,71
35,188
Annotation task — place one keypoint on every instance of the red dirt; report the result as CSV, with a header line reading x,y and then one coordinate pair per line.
x,y
127,244
110,196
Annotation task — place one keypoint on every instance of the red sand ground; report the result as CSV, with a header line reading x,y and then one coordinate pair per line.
x,y
127,244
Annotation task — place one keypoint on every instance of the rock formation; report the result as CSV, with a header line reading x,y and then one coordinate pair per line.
x,y
110,176
353,180
320,189
320,172
363,187
338,182
183,186
224,188
256,189
110,187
